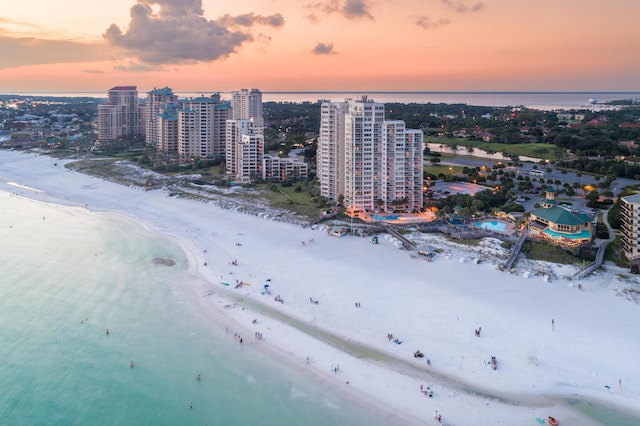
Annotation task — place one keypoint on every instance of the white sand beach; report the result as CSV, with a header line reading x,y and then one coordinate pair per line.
x,y
553,342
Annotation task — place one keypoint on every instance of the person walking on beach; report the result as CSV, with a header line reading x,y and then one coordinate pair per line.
x,y
553,324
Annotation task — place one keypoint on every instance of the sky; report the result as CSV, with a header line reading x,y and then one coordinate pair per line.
x,y
320,45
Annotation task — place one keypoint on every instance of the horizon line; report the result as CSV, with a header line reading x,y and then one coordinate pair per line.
x,y
364,92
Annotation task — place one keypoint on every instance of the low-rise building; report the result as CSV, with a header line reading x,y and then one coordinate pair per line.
x,y
282,169
558,225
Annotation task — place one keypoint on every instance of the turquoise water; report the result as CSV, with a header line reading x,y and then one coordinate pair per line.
x,y
491,225
69,275
584,234
389,217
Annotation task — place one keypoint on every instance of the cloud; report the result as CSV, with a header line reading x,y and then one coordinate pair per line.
x,y
460,7
23,51
323,49
19,23
426,23
179,33
251,19
350,9
93,72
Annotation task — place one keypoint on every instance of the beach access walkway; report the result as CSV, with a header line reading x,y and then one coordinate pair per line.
x,y
516,250
406,243
602,247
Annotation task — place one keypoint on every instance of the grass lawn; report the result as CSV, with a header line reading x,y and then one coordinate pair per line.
x,y
287,198
440,168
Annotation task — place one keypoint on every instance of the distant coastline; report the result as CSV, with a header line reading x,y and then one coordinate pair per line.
x,y
544,100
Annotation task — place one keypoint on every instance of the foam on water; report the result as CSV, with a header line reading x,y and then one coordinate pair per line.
x,y
68,275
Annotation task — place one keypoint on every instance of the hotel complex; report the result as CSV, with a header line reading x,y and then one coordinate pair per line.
x,y
367,162
201,127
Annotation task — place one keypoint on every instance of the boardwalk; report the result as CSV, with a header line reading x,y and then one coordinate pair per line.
x,y
601,249
516,250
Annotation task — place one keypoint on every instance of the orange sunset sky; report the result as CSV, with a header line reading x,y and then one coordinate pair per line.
x,y
324,45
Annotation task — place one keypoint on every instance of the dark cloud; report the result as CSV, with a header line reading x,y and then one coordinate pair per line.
x,y
251,19
350,9
23,51
356,9
461,7
426,23
180,34
323,49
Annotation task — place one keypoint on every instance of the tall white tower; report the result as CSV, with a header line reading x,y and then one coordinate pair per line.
x,y
373,164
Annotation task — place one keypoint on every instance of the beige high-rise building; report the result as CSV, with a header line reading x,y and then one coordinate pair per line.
x,y
195,128
157,101
168,130
121,116
247,104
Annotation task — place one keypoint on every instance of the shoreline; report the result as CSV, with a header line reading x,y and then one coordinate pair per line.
x,y
407,400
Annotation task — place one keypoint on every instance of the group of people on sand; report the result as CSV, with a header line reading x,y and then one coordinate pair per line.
x,y
395,339
426,391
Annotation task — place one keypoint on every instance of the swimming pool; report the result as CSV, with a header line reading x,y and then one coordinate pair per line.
x,y
491,225
389,217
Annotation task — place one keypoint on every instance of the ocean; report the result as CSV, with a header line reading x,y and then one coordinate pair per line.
x,y
69,275
536,100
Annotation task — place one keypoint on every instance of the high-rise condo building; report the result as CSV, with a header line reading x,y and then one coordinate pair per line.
x,y
369,163
630,229
157,101
121,116
244,142
168,130
195,128
244,149
247,104
221,113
